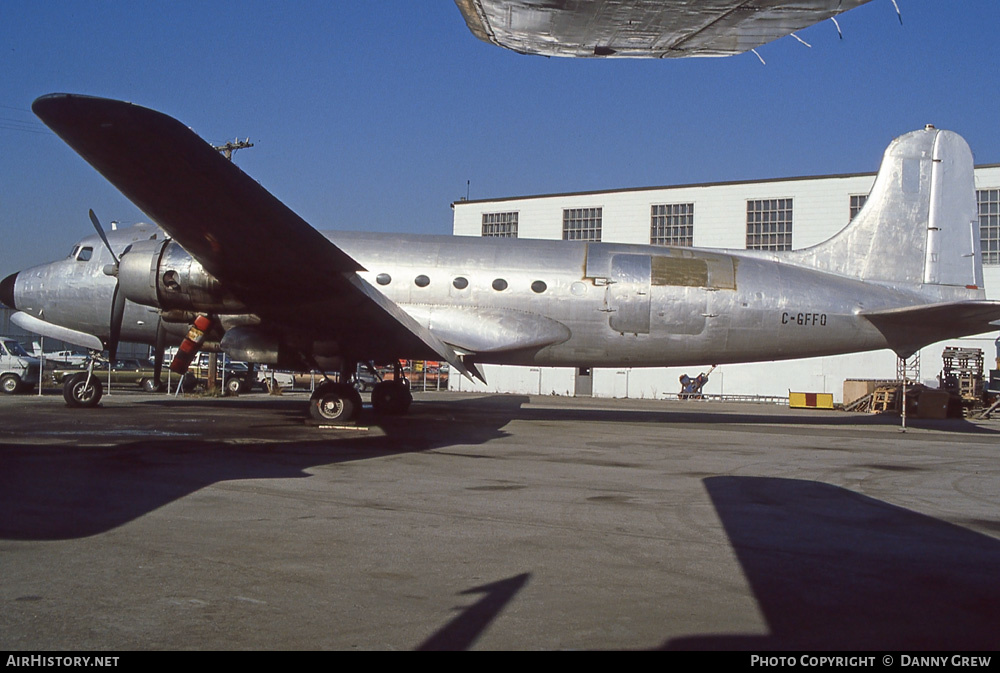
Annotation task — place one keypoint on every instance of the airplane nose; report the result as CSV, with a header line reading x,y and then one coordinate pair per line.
x,y
7,290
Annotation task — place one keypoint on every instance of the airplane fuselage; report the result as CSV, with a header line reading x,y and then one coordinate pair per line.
x,y
582,303
536,302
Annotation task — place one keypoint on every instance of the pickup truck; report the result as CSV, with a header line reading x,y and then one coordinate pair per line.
x,y
18,370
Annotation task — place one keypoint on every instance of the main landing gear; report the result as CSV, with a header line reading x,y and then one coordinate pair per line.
x,y
341,403
335,403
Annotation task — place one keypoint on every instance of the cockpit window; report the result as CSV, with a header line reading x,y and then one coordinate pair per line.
x,y
85,254
76,249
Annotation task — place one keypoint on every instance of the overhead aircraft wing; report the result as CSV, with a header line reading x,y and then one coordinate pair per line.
x,y
261,251
642,28
911,328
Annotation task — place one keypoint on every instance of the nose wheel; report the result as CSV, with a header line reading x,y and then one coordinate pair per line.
x,y
79,392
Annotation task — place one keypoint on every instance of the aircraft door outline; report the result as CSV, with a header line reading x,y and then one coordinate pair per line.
x,y
628,293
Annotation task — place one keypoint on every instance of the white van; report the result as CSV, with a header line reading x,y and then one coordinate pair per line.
x,y
18,369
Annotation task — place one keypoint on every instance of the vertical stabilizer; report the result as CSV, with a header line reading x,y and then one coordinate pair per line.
x,y
919,225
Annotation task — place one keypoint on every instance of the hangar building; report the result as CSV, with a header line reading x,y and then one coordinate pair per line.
x,y
786,213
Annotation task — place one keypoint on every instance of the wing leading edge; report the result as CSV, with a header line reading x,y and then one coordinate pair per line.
x,y
265,254
642,28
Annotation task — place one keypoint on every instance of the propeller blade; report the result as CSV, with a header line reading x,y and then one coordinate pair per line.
x,y
104,237
117,315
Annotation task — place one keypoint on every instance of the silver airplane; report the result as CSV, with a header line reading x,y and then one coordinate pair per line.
x,y
642,28
905,273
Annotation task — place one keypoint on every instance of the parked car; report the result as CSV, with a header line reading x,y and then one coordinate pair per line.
x,y
18,369
123,372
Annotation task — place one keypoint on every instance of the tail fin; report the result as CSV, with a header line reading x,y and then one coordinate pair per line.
x,y
919,226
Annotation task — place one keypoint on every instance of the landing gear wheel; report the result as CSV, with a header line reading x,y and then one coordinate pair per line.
x,y
335,403
391,398
77,393
10,383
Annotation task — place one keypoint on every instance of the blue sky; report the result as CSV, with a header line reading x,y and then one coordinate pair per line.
x,y
373,115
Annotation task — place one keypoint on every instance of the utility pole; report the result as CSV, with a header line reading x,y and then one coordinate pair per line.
x,y
228,149
213,358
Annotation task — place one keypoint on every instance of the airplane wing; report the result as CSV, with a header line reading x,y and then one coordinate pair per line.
x,y
642,28
911,328
266,255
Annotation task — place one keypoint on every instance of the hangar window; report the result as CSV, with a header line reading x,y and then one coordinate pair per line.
x,y
582,224
460,283
500,225
989,224
539,287
85,254
499,285
421,281
857,202
672,224
769,224
383,279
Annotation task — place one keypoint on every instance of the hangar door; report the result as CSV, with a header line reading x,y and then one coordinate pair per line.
x,y
628,293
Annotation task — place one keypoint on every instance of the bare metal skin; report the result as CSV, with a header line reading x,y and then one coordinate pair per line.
x,y
642,28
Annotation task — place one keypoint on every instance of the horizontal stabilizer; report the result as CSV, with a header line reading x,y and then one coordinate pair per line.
x,y
911,328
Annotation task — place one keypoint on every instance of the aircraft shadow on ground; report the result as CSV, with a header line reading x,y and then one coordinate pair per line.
x,y
58,491
462,632
834,570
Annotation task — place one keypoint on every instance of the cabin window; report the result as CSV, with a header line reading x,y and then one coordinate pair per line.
x,y
460,283
421,281
500,225
383,279
539,287
85,254
499,285
672,224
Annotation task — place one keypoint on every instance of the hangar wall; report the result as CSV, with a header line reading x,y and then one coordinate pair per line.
x,y
820,207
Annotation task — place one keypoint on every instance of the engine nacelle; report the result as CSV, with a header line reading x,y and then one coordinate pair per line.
x,y
252,344
164,275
